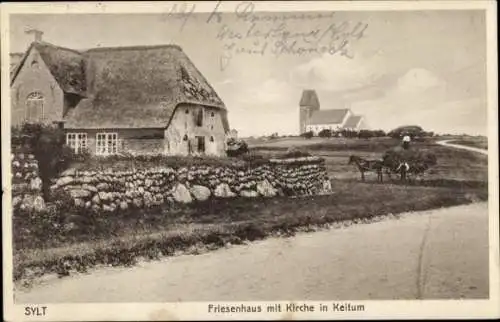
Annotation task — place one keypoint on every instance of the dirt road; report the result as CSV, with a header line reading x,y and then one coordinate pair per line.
x,y
463,147
438,254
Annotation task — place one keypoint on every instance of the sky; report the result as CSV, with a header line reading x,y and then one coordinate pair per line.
x,y
395,68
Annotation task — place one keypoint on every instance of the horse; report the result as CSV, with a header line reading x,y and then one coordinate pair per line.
x,y
365,165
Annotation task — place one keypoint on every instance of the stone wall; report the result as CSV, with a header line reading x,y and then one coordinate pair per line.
x,y
26,183
112,190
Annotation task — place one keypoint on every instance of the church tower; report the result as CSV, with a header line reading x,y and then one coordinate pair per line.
x,y
309,103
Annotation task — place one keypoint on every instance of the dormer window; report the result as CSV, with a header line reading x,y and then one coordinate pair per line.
x,y
34,63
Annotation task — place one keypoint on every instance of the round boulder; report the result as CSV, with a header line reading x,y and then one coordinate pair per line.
x,y
79,193
264,188
63,181
181,194
16,201
327,186
38,204
223,191
36,184
200,193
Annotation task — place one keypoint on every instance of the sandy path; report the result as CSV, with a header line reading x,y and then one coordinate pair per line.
x,y
463,147
434,254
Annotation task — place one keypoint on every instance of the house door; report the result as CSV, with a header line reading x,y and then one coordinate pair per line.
x,y
200,140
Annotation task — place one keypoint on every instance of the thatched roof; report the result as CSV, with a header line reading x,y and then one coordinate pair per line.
x,y
139,87
352,121
309,98
131,87
15,58
66,65
328,116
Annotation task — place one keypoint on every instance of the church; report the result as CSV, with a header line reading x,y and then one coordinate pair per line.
x,y
313,119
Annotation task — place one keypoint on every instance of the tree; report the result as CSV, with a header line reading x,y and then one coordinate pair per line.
x,y
236,147
47,144
365,134
307,135
325,133
411,130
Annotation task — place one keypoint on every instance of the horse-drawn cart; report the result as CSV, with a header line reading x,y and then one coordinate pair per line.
x,y
399,161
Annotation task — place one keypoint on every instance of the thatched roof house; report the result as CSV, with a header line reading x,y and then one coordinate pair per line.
x,y
124,88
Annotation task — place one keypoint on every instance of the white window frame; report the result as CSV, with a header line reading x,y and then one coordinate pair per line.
x,y
106,143
78,142
31,99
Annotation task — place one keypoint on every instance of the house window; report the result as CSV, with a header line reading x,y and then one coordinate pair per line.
x,y
213,114
106,143
211,139
77,141
199,117
201,144
34,106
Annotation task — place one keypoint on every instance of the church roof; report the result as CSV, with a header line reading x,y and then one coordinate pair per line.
x,y
328,116
353,121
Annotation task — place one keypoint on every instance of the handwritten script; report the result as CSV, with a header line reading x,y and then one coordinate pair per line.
x,y
276,34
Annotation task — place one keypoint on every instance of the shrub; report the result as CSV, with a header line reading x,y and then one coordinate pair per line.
x,y
254,158
83,156
326,133
236,147
307,135
47,143
365,134
411,130
294,152
393,157
379,133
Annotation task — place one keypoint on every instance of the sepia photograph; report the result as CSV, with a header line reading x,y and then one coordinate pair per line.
x,y
258,160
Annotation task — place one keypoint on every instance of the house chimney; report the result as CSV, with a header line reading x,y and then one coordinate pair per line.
x,y
37,34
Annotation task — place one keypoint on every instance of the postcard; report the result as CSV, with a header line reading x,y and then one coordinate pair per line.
x,y
240,160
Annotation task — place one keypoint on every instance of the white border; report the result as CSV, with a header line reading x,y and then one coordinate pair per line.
x,y
198,310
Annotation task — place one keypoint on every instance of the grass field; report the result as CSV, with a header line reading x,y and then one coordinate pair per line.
x,y
459,177
453,164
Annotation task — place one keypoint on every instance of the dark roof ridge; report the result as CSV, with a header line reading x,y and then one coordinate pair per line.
x,y
44,43
133,47
334,109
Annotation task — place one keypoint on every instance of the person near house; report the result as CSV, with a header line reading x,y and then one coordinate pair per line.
x,y
406,141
